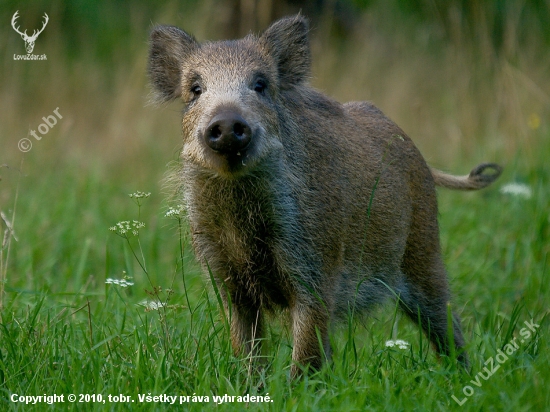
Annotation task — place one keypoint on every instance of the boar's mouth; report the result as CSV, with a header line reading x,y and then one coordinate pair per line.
x,y
233,165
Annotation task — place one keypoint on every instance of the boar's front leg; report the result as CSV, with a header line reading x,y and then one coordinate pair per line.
x,y
310,331
245,325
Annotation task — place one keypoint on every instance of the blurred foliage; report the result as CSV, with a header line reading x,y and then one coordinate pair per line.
x,y
401,54
455,70
107,27
499,18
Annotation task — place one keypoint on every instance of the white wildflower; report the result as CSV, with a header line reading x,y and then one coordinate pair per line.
x,y
126,227
151,304
174,211
124,283
401,344
138,225
139,195
517,189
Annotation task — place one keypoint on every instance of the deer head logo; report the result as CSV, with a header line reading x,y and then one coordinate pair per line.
x,y
29,40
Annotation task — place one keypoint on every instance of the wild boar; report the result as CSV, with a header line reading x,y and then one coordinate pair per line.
x,y
296,201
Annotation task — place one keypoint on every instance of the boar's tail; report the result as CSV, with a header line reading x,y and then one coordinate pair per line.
x,y
476,180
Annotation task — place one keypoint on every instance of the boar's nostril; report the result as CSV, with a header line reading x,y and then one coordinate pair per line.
x,y
238,129
228,133
215,132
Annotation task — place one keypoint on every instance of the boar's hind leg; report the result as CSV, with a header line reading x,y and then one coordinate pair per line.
x,y
310,330
427,295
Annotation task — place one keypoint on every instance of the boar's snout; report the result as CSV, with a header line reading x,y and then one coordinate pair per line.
x,y
228,133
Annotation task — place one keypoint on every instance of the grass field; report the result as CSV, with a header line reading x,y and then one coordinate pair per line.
x,y
65,330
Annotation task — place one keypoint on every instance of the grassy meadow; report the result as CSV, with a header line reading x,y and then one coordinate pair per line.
x,y
86,311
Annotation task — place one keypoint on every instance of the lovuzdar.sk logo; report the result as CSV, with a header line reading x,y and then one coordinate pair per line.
x,y
29,40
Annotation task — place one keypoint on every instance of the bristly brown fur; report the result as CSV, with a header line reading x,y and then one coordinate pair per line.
x,y
297,201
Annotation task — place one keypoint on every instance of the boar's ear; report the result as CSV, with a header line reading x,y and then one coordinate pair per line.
x,y
287,41
169,47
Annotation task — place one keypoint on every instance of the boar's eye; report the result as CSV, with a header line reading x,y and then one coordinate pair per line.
x,y
260,86
196,90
